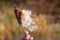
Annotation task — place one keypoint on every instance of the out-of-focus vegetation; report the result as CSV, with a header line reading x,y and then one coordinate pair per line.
x,y
49,8
58,33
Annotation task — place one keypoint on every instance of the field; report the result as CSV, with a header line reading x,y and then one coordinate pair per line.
x,y
49,29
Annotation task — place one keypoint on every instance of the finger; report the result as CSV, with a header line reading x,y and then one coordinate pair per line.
x,y
27,36
26,32
31,38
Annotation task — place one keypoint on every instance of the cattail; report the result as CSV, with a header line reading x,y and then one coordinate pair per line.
x,y
18,14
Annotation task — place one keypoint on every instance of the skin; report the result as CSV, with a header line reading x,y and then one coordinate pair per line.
x,y
26,36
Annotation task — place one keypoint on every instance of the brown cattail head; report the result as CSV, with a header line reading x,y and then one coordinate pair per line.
x,y
18,14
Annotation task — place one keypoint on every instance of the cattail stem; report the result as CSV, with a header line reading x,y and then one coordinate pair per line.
x,y
23,28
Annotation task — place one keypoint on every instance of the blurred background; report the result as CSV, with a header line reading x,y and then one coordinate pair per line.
x,y
48,9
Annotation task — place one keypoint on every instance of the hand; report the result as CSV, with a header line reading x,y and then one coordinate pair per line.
x,y
26,36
